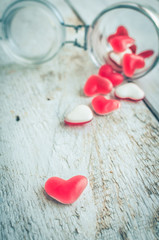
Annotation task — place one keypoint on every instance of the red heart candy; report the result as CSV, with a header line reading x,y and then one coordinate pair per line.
x,y
133,48
107,72
97,85
66,191
131,62
121,43
103,106
116,78
146,54
121,31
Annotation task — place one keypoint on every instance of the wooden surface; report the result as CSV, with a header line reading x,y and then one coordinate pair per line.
x,y
118,153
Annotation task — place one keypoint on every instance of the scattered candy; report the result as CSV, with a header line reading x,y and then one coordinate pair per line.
x,y
131,62
66,191
118,57
80,115
129,91
121,43
97,85
121,31
122,58
146,54
106,71
103,106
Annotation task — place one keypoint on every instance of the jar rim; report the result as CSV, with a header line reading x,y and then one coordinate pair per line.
x,y
46,3
20,58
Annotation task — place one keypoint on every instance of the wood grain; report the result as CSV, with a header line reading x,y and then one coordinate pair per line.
x,y
118,153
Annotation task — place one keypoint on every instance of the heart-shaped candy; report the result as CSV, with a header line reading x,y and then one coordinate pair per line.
x,y
131,62
66,191
103,106
80,115
129,91
133,48
121,31
106,71
146,54
115,66
121,43
118,57
116,78
97,85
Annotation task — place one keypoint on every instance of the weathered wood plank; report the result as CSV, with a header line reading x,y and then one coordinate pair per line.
x,y
118,153
150,82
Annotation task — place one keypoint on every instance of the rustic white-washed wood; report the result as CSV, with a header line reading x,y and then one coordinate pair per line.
x,y
88,10
118,153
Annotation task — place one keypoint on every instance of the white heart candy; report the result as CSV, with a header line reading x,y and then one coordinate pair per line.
x,y
118,57
129,90
81,114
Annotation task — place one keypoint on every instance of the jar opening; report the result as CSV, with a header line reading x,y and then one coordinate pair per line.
x,y
138,22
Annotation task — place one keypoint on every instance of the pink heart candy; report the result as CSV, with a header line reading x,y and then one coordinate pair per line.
x,y
133,48
146,54
97,85
66,191
103,106
121,43
106,71
121,31
131,62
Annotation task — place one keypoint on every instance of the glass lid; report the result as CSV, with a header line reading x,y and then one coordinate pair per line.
x,y
33,31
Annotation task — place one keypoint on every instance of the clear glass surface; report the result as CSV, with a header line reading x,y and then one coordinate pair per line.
x,y
142,24
32,31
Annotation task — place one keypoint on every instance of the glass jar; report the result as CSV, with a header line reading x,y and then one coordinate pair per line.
x,y
33,32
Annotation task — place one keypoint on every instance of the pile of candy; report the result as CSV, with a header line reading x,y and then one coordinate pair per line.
x,y
123,59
